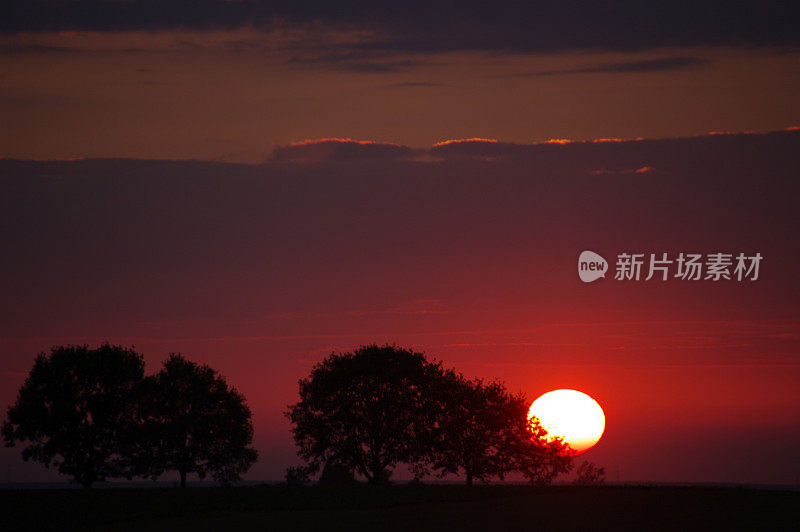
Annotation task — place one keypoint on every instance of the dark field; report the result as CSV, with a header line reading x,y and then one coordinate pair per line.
x,y
426,507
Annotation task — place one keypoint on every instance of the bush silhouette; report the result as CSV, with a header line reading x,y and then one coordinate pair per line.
x,y
297,476
336,474
589,474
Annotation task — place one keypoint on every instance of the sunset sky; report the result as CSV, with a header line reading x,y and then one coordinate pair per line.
x,y
167,184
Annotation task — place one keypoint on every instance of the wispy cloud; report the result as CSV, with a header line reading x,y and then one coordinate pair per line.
x,y
640,170
412,84
627,67
346,57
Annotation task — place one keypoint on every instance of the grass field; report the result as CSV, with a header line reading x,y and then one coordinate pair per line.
x,y
422,507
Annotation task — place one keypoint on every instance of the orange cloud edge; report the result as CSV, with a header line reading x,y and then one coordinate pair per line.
x,y
558,141
342,140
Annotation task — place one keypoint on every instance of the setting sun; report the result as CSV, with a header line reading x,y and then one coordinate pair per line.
x,y
573,415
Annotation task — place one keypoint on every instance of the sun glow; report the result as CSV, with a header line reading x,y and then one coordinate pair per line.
x,y
573,415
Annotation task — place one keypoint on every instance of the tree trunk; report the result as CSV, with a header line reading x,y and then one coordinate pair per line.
x,y
378,476
469,477
86,480
183,479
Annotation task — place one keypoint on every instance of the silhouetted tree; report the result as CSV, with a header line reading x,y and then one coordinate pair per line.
x,y
589,474
476,429
485,431
367,410
77,411
194,423
537,455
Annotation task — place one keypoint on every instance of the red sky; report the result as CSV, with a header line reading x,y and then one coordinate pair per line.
x,y
467,252
157,192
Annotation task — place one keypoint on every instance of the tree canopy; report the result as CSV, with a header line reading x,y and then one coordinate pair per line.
x,y
193,422
479,429
77,411
93,415
368,410
538,456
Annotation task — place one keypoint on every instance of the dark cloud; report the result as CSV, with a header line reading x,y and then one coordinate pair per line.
x,y
18,48
372,67
160,239
714,154
629,67
428,26
592,157
410,84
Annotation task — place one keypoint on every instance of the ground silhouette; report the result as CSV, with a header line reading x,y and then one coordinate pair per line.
x,y
403,507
